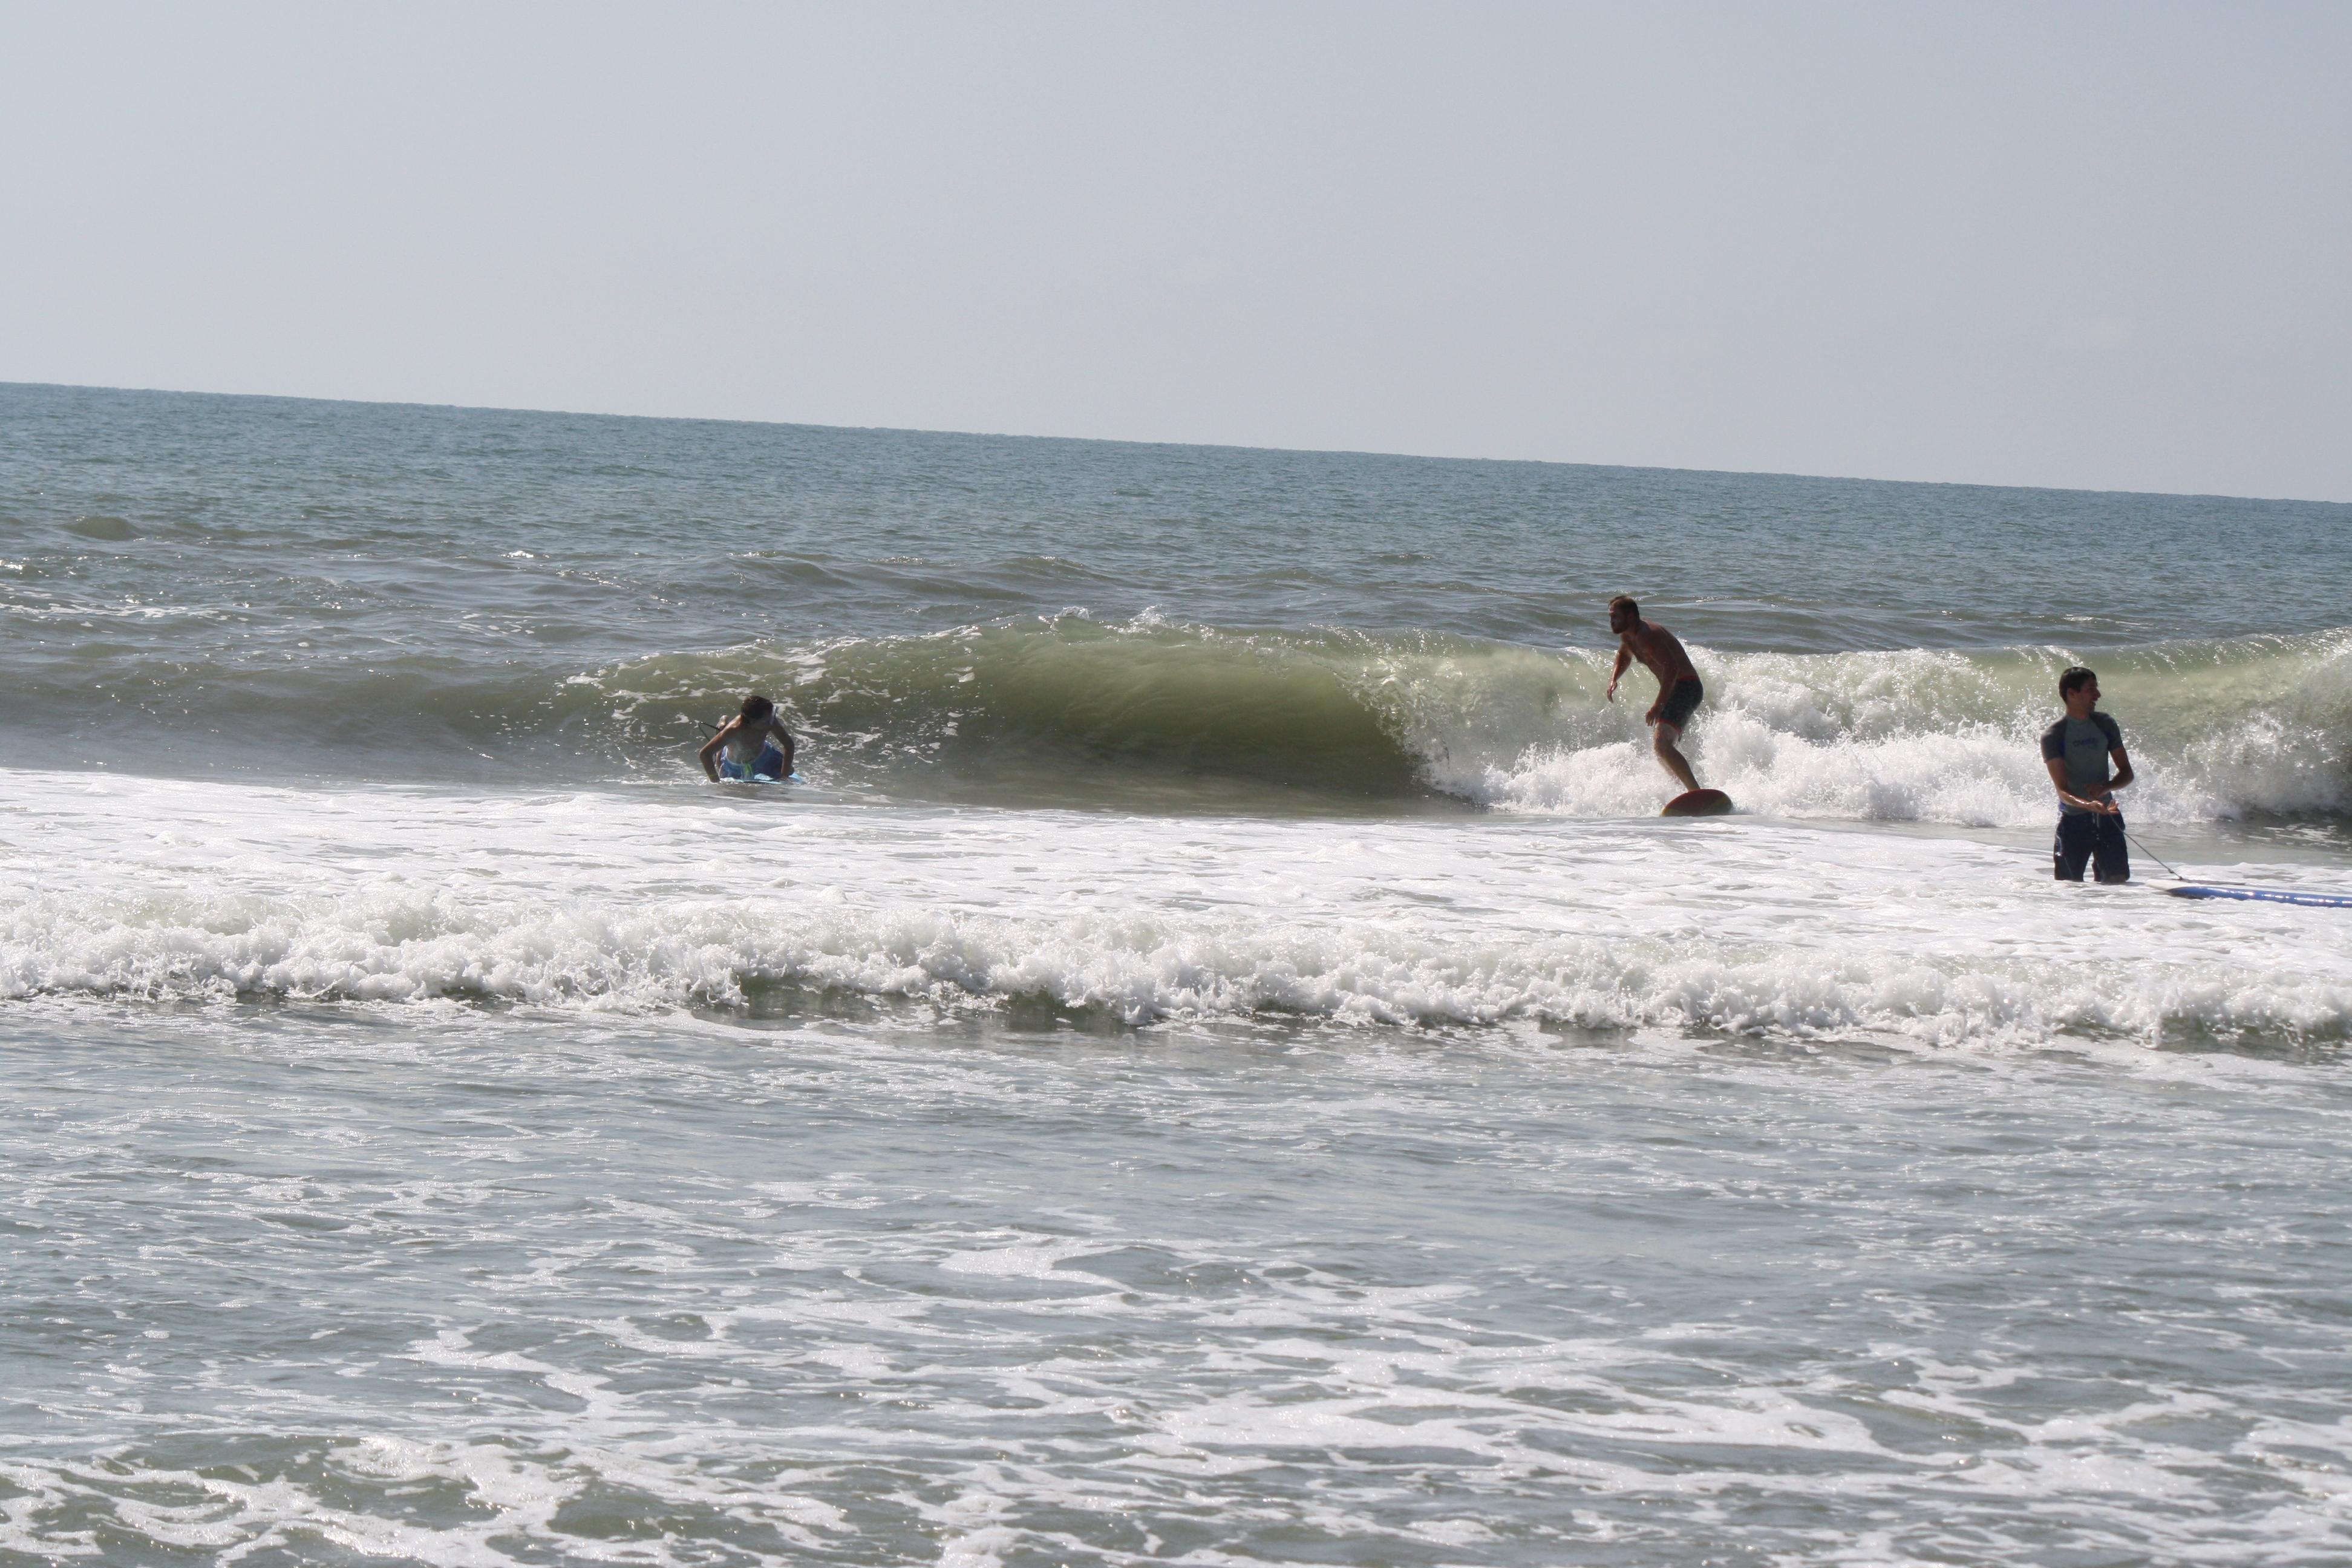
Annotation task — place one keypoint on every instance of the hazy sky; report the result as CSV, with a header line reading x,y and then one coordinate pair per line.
x,y
2083,245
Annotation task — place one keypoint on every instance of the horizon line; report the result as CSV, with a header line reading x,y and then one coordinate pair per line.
x,y
1188,446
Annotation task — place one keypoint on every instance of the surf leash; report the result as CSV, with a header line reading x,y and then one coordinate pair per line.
x,y
2252,895
2154,855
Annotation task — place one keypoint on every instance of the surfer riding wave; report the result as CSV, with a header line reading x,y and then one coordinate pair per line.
x,y
1679,691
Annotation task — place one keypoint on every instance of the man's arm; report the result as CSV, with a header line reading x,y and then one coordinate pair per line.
x,y
1617,673
710,752
2122,760
2057,766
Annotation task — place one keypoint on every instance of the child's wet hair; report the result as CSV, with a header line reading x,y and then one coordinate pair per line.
x,y
756,707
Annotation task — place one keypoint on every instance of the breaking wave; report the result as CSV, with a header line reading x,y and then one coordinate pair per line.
x,y
2219,730
1067,710
423,946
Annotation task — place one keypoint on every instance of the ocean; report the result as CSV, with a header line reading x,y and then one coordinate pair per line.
x,y
1220,1060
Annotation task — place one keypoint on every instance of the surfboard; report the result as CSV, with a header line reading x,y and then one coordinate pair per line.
x,y
2267,896
1698,803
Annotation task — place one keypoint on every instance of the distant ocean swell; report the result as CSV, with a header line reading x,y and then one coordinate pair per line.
x,y
415,946
2222,730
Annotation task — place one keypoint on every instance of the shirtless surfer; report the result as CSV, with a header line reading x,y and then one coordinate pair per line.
x,y
1678,687
755,743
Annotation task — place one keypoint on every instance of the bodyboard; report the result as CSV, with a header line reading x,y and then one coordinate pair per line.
x,y
2267,896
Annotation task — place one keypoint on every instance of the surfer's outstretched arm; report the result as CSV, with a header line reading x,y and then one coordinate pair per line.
x,y
1617,672
710,752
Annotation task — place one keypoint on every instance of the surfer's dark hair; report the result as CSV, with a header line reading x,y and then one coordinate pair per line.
x,y
756,707
2073,680
1625,602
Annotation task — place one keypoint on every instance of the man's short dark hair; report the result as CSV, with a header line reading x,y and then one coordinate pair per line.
x,y
756,707
1625,602
2073,680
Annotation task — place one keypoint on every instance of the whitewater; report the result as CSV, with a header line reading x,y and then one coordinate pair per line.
x,y
573,900
1219,1062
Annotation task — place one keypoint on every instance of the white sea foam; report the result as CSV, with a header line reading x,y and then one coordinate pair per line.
x,y
2220,732
128,887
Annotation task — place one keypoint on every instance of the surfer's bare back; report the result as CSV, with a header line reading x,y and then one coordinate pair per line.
x,y
1678,687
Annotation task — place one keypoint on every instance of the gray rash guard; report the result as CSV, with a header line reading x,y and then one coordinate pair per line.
x,y
2084,744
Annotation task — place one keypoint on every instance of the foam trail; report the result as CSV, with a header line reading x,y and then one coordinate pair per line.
x,y
601,902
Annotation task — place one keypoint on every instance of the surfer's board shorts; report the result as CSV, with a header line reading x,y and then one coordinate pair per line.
x,y
2093,836
1681,702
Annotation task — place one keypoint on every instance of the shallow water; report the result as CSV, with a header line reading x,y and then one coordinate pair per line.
x,y
523,1288
1219,1063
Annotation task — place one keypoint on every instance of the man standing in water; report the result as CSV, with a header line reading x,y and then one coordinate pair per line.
x,y
2076,750
1678,687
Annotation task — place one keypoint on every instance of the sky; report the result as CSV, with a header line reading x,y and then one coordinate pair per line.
x,y
2089,246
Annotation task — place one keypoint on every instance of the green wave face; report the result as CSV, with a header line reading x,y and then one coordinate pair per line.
x,y
1069,711
1073,707
1066,710
1273,709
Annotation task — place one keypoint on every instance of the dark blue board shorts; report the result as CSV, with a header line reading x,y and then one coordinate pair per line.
x,y
2085,835
1681,702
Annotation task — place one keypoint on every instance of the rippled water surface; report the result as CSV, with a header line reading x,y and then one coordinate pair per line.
x,y
923,1288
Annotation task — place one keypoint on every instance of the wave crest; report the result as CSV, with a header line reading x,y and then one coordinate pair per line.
x,y
1066,710
2219,730
1137,969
